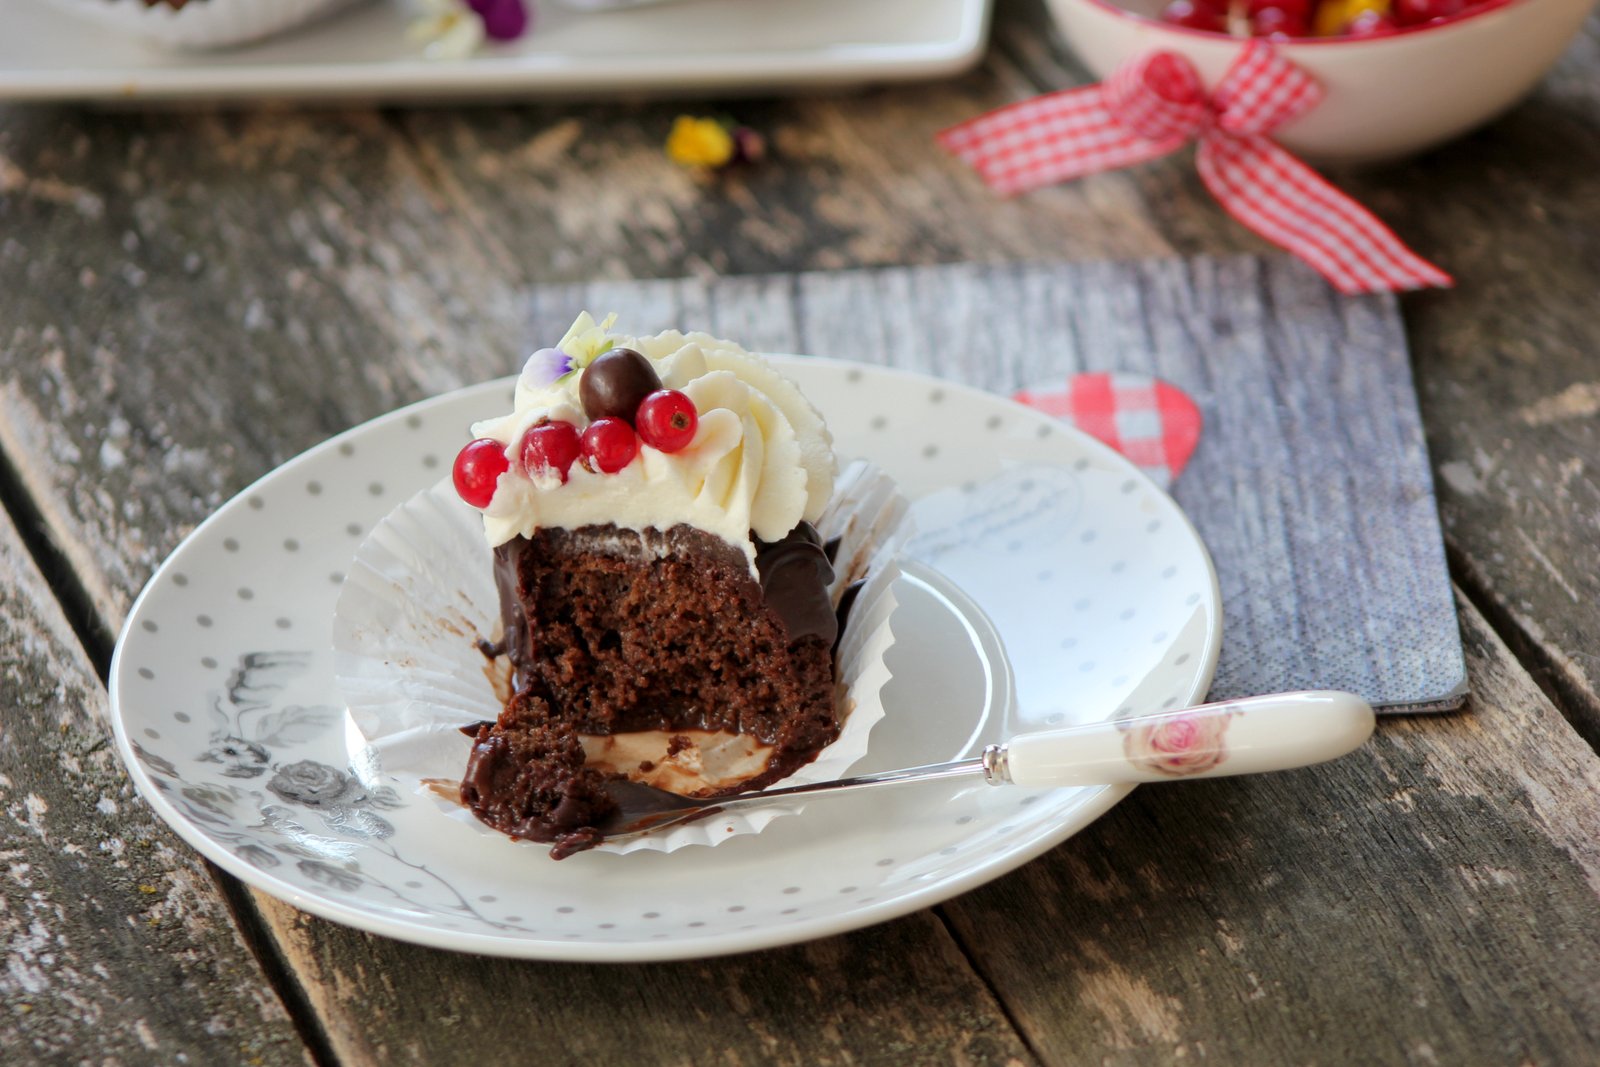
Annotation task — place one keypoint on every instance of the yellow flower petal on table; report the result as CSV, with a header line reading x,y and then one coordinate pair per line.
x,y
699,142
447,29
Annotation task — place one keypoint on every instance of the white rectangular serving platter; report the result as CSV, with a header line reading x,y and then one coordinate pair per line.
x,y
721,46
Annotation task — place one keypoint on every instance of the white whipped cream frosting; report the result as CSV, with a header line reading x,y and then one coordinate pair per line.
x,y
761,458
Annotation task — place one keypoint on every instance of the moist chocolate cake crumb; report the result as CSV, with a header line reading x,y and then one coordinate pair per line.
x,y
612,631
526,778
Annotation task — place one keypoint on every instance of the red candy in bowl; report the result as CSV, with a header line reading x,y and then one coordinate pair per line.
x,y
1399,75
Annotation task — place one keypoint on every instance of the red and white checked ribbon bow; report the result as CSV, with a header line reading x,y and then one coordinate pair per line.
x,y
1155,105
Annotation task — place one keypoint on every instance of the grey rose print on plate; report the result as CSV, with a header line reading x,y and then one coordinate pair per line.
x,y
241,738
302,818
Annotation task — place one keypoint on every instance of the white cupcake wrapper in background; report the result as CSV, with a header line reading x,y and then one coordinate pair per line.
x,y
420,592
200,23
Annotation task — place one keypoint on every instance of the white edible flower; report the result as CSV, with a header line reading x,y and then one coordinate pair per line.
x,y
585,339
447,29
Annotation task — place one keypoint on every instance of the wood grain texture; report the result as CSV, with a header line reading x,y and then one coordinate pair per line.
x,y
1431,898
180,325
119,947
900,993
191,298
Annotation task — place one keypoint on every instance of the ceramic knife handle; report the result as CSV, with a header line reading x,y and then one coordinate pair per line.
x,y
1266,733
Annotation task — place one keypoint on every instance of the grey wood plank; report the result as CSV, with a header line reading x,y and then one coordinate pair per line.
x,y
900,993
382,268
203,348
119,946
218,293
1428,899
1310,485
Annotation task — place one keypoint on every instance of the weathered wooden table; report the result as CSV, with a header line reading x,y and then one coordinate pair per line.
x,y
189,299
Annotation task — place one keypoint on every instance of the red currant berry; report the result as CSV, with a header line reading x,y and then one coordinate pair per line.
x,y
550,446
1416,12
1276,21
667,420
477,469
608,445
1301,8
1194,15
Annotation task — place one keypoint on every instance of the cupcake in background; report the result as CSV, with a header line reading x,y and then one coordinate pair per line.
x,y
200,23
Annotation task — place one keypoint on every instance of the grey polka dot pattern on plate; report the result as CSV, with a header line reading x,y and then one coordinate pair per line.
x,y
339,500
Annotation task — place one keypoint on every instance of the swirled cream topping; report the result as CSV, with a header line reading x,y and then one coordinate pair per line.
x,y
761,459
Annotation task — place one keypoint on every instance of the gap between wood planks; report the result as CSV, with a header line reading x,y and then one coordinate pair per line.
x,y
95,637
1571,700
98,643
253,927
978,971
70,593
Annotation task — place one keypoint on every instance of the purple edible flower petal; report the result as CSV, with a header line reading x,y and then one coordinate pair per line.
x,y
546,365
503,20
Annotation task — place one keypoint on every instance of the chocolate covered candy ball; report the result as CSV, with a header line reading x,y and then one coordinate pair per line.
x,y
613,385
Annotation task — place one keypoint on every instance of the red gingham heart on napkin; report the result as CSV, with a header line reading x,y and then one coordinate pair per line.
x,y
1153,423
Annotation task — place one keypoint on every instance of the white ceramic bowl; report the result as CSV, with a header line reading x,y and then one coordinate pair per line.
x,y
1386,96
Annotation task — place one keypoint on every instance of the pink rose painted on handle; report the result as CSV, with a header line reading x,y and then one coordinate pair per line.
x,y
1178,745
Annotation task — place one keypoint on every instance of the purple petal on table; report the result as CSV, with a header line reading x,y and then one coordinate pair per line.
x,y
503,20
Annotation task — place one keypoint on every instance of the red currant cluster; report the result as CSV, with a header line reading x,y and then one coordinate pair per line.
x,y
1286,19
626,405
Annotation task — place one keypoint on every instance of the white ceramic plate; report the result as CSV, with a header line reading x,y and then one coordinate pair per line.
x,y
1050,583
694,45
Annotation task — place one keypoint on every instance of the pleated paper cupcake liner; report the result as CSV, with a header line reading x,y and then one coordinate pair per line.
x,y
420,596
